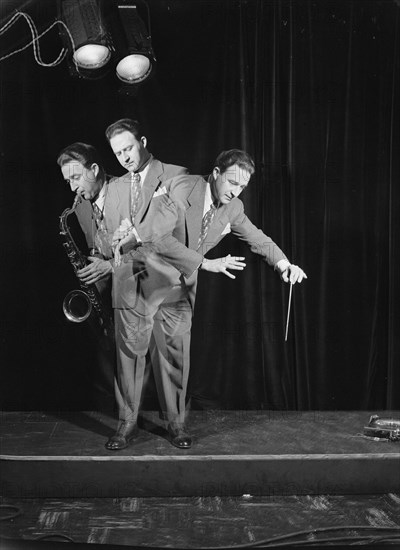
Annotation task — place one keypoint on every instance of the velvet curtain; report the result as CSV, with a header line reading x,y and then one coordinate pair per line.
x,y
319,97
310,89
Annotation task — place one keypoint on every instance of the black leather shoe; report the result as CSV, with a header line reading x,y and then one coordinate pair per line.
x,y
123,436
179,437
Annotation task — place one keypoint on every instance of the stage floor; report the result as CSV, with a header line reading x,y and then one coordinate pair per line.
x,y
198,522
252,453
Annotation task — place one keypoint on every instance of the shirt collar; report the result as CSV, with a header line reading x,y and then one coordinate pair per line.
x,y
144,173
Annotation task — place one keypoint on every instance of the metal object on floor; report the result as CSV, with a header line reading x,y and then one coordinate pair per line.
x,y
385,428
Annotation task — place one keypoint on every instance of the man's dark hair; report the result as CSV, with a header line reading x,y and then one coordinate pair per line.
x,y
83,153
235,156
124,125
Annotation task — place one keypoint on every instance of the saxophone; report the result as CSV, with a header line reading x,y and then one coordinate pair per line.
x,y
79,305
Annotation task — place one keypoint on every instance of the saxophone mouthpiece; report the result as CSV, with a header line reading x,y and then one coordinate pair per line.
x,y
77,200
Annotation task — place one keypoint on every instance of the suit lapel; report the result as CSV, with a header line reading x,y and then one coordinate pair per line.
x,y
123,193
150,184
194,214
84,214
220,220
194,217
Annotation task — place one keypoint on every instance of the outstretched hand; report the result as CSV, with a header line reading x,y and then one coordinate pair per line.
x,y
221,265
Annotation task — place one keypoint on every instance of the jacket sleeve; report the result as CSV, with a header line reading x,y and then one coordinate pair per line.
x,y
258,241
161,236
172,171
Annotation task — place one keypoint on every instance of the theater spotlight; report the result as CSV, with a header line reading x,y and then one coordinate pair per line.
x,y
134,46
86,25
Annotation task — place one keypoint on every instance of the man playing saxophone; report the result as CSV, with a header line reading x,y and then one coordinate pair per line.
x,y
82,169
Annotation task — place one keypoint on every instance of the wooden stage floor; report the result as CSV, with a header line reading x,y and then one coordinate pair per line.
x,y
235,453
198,522
250,476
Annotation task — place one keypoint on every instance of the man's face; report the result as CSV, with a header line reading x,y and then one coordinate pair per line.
x,y
82,181
130,152
230,184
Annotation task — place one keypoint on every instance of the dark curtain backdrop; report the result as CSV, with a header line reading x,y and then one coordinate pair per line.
x,y
311,90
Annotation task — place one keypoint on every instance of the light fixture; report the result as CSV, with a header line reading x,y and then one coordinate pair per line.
x,y
134,46
86,26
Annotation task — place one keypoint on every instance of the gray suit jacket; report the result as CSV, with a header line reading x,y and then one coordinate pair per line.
x,y
154,272
179,213
84,213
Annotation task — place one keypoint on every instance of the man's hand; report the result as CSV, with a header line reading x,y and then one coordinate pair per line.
x,y
293,274
125,239
123,230
125,245
221,265
96,270
119,234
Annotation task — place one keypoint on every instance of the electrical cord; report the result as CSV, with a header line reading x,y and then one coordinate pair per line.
x,y
35,39
280,541
17,512
53,536
271,542
352,540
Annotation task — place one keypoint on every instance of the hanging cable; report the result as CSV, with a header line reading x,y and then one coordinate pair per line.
x,y
35,39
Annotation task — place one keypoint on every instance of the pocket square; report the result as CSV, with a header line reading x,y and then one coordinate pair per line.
x,y
227,229
160,191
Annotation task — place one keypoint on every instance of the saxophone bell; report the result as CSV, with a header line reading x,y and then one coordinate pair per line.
x,y
77,306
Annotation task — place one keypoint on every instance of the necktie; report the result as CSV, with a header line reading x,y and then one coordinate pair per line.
x,y
100,236
136,190
98,215
205,224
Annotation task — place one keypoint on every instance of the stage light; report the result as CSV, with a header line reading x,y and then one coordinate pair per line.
x,y
133,68
86,25
134,47
92,56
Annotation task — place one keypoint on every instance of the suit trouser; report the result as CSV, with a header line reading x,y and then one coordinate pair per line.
x,y
169,320
103,372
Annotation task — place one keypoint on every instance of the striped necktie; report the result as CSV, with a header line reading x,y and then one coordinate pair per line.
x,y
100,236
205,224
136,190
98,214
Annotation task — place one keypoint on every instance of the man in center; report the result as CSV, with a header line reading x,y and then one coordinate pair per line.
x,y
147,292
